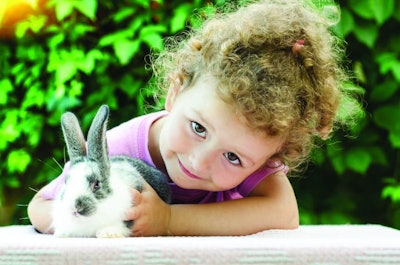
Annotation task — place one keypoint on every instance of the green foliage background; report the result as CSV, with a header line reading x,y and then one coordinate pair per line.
x,y
96,54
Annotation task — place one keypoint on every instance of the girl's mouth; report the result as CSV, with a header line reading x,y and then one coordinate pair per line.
x,y
187,172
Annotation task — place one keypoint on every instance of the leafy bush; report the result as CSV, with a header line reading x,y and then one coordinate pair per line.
x,y
76,56
360,169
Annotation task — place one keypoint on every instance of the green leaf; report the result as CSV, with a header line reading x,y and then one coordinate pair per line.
x,y
361,8
34,97
145,4
65,72
378,155
18,161
63,9
136,24
180,17
154,41
76,89
88,63
396,12
392,192
111,39
8,129
382,9
81,30
335,154
384,91
6,87
386,61
366,34
394,137
358,160
396,70
32,128
387,117
122,14
37,23
87,7
345,25
152,37
56,40
12,181
359,72
125,50
129,85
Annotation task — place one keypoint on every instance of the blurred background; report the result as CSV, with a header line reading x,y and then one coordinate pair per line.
x,y
59,55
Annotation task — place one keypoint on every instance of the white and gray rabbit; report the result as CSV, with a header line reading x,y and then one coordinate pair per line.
x,y
96,195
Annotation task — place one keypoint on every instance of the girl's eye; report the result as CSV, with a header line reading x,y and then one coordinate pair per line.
x,y
198,129
232,158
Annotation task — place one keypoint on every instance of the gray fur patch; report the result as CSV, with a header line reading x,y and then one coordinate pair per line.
x,y
129,223
78,159
99,185
151,175
85,205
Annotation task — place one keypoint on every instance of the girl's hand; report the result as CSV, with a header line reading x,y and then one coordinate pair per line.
x,y
149,213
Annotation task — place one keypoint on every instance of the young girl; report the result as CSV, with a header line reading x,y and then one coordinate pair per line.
x,y
246,95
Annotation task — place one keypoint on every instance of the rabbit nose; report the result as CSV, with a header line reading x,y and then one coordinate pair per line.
x,y
85,206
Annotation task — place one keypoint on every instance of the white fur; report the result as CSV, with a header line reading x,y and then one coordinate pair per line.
x,y
110,211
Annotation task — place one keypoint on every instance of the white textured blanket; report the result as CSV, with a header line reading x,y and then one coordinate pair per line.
x,y
311,245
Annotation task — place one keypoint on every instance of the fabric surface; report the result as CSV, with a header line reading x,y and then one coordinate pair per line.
x,y
311,245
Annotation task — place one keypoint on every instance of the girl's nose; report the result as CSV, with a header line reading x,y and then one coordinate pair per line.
x,y
200,161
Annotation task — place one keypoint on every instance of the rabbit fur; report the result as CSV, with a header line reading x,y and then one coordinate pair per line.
x,y
96,195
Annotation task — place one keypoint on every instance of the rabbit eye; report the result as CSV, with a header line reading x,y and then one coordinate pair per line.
x,y
95,185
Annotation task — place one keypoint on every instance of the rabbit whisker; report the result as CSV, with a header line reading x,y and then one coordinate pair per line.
x,y
32,189
58,164
51,166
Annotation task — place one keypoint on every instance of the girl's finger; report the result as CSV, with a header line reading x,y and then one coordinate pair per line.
x,y
136,197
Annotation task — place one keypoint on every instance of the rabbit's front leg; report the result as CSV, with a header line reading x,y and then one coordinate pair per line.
x,y
116,230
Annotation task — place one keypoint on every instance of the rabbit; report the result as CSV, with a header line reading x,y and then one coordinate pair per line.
x,y
96,194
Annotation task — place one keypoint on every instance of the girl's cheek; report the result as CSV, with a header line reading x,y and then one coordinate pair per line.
x,y
228,177
178,138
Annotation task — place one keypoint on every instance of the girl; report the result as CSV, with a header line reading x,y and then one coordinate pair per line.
x,y
246,95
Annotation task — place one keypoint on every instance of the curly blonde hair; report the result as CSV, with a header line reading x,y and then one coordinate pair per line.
x,y
277,63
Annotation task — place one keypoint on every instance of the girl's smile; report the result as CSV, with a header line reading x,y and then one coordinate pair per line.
x,y
187,172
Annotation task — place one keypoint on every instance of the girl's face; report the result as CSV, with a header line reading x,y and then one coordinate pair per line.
x,y
205,145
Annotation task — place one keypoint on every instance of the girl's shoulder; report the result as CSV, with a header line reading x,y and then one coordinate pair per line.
x,y
131,137
137,123
252,181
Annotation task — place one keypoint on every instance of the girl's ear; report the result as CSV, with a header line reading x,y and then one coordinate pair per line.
x,y
173,91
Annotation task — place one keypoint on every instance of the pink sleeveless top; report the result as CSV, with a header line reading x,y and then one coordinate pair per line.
x,y
131,138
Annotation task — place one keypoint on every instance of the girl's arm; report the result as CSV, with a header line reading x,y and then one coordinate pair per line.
x,y
39,212
271,205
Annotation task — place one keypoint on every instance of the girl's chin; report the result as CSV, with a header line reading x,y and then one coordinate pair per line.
x,y
186,182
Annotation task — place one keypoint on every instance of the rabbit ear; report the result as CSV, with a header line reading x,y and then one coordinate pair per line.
x,y
97,143
73,137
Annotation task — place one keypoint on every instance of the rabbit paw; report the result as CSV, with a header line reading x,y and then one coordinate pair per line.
x,y
64,234
112,232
